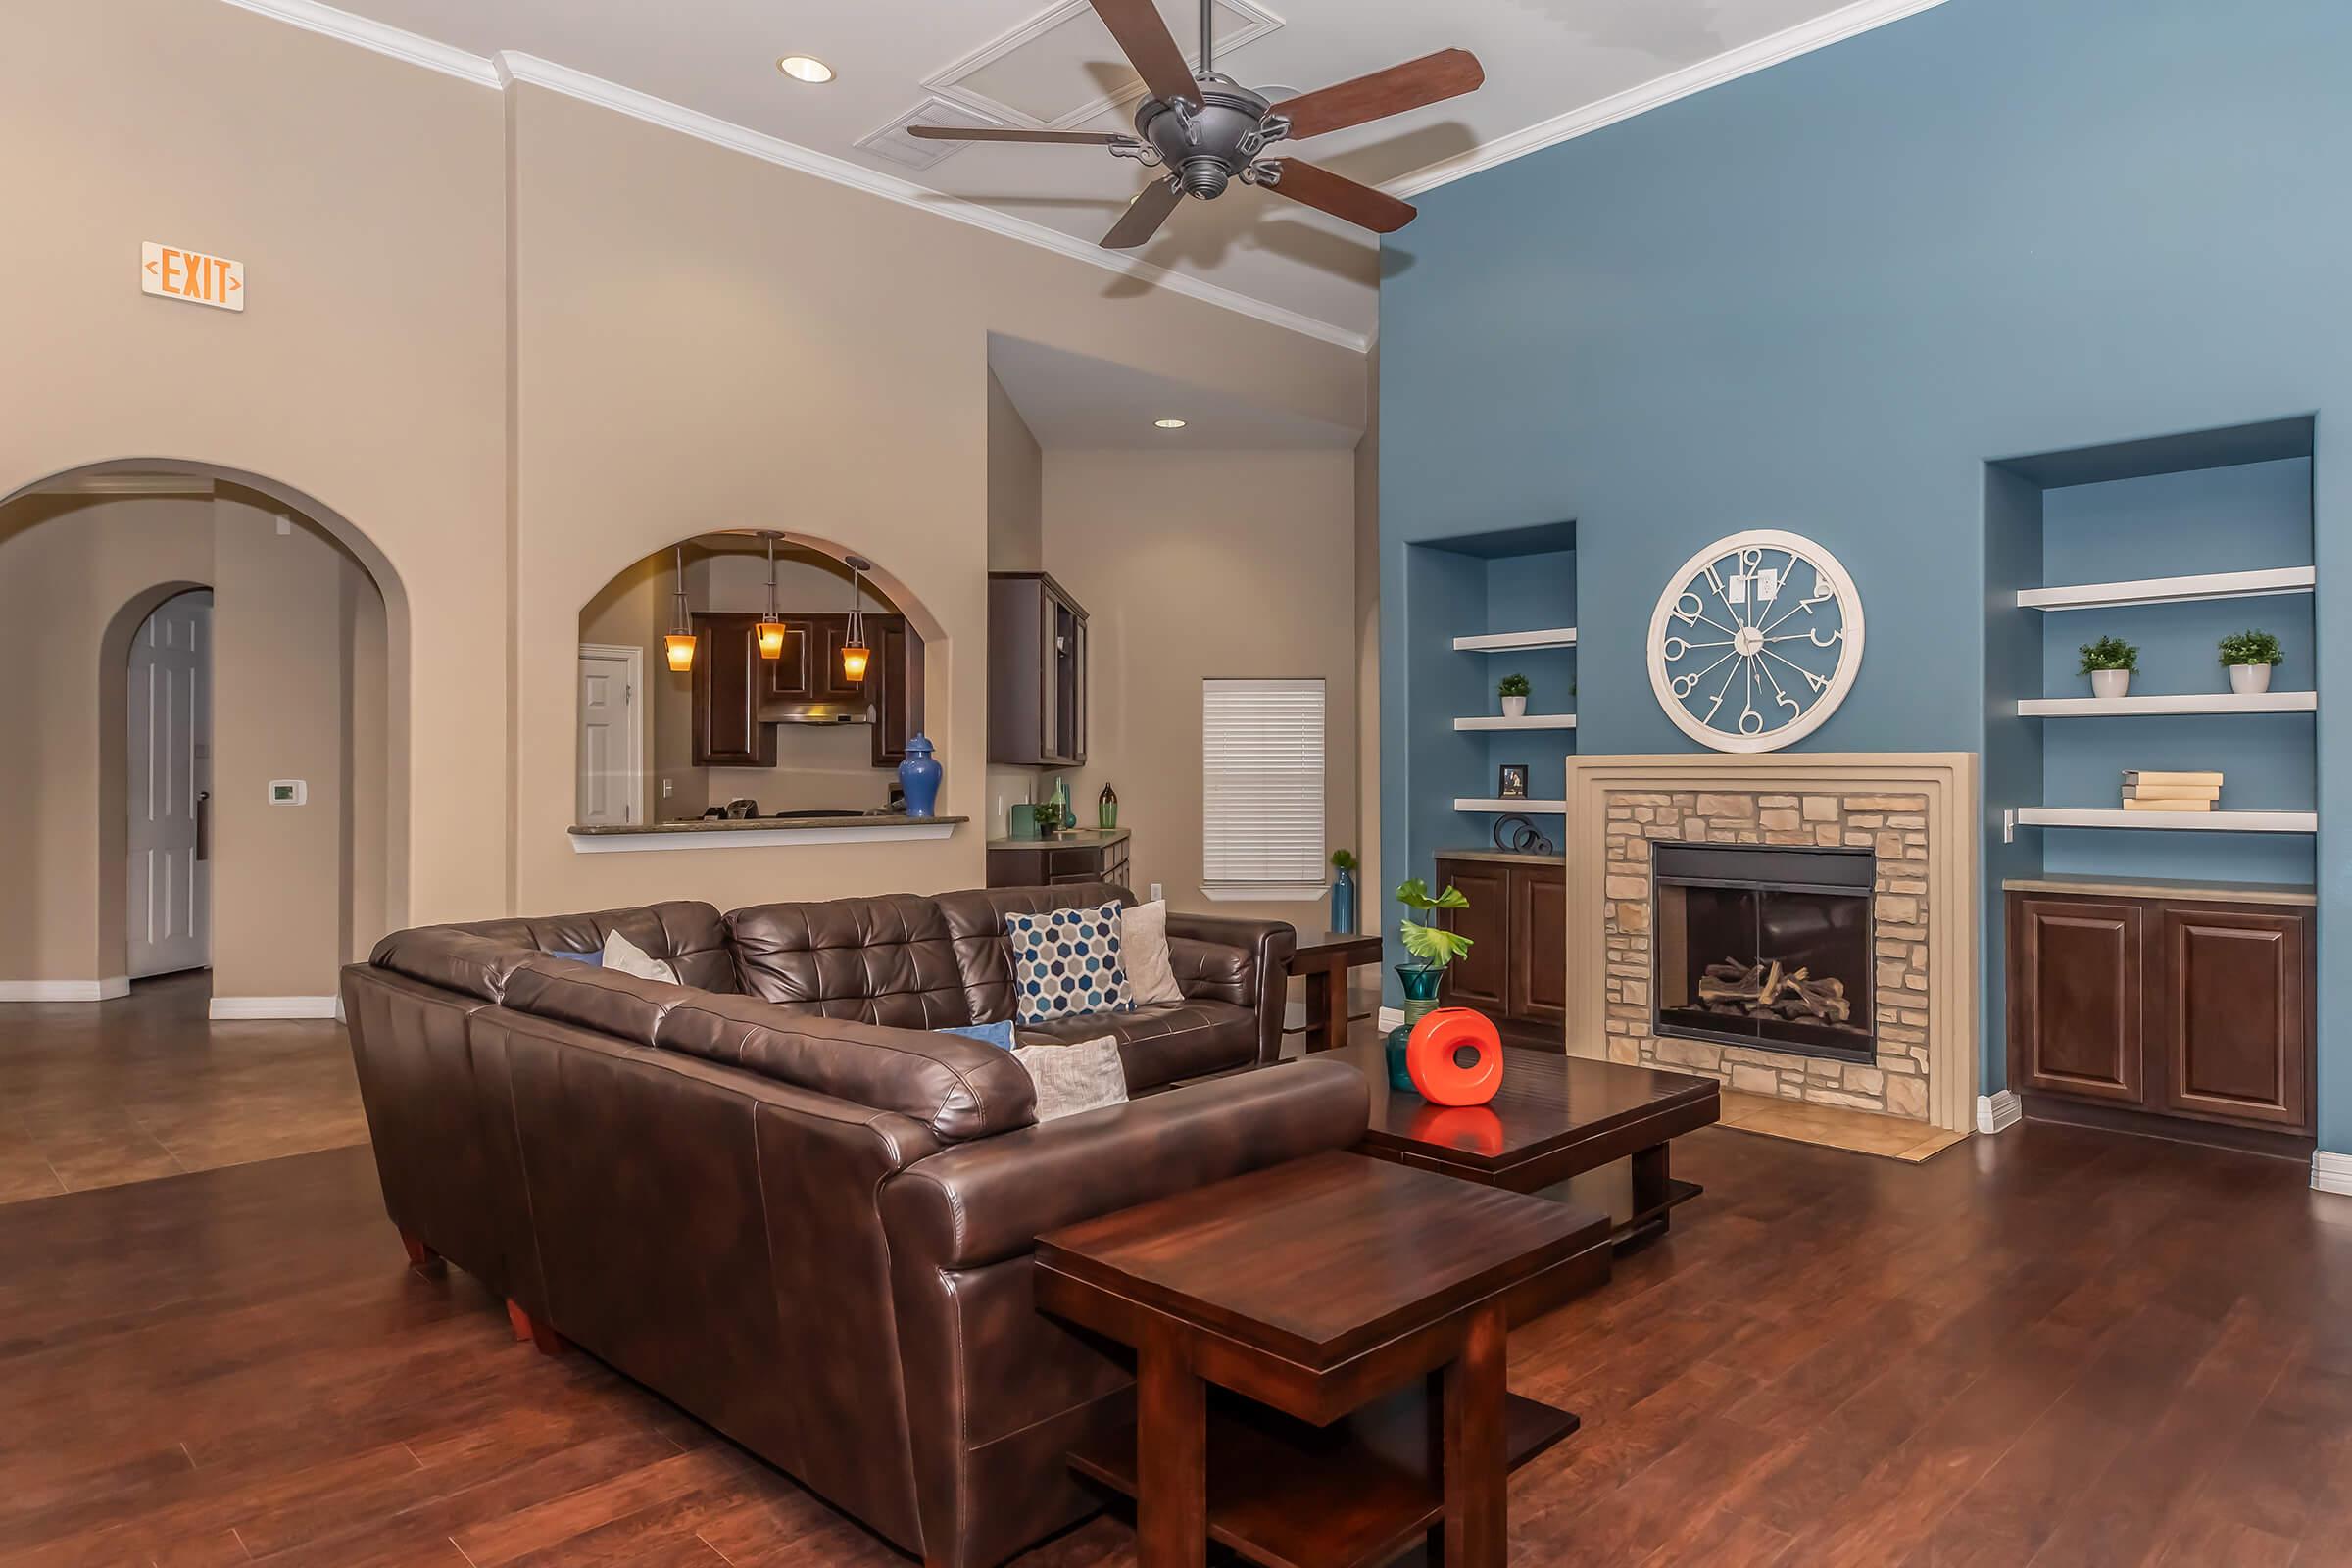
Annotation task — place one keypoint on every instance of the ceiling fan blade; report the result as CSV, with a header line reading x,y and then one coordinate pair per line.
x,y
1341,197
1432,78
1143,216
1061,139
1149,47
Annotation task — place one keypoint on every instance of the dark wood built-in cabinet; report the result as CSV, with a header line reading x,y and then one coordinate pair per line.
x,y
733,684
1036,673
1085,856
2169,1008
1516,970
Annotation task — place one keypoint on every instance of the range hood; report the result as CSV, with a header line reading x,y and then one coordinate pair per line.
x,y
813,712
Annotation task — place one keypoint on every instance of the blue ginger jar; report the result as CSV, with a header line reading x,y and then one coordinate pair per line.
x,y
919,778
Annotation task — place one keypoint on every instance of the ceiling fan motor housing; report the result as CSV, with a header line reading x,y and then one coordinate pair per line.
x,y
1205,148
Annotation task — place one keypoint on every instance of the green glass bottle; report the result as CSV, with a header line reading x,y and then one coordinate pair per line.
x,y
1106,810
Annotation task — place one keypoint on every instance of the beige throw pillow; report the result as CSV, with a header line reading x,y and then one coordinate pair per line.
x,y
623,957
1143,935
1083,1075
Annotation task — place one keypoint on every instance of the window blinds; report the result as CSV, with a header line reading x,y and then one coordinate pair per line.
x,y
1261,788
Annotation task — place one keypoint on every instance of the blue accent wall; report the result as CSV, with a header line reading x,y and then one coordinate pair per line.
x,y
1825,296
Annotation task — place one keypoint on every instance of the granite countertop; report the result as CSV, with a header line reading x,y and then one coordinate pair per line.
x,y
1509,856
762,824
1082,839
2159,887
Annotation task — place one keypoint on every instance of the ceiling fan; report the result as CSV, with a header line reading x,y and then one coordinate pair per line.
x,y
1209,132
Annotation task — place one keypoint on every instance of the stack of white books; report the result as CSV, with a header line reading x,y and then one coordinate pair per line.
x,y
2148,791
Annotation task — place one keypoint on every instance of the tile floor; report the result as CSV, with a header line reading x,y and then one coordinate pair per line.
x,y
99,1094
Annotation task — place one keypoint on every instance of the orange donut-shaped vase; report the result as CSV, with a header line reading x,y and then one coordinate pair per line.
x,y
1436,1042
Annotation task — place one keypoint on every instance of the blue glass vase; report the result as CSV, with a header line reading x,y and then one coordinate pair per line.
x,y
1343,903
1420,1001
919,778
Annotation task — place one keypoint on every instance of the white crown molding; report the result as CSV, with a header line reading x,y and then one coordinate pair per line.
x,y
275,1008
1999,1112
2331,1173
1729,65
509,66
414,48
64,990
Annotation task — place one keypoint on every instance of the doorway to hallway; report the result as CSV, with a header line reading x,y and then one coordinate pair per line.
x,y
168,903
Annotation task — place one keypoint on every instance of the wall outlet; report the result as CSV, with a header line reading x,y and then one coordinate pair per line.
x,y
1157,895
670,786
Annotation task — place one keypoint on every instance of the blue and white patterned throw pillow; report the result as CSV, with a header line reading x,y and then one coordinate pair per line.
x,y
1066,963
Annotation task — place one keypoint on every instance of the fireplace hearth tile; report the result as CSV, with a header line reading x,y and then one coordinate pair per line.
x,y
1856,1132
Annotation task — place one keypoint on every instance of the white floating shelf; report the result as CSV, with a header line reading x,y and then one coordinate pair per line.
x,y
1523,721
1464,803
1495,641
2177,703
2172,590
2184,821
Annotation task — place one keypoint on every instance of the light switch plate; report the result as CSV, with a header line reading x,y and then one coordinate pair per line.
x,y
1157,895
289,792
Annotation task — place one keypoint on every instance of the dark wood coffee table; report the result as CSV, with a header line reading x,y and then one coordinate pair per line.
x,y
1358,1309
1555,1116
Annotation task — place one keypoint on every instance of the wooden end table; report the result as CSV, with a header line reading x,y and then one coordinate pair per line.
x,y
1555,1116
1359,1310
1323,960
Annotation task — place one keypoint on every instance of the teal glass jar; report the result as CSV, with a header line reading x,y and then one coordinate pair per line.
x,y
1420,1001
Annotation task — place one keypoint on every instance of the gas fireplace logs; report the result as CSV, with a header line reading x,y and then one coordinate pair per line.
x,y
1766,990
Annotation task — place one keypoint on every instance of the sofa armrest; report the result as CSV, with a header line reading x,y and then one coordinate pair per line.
x,y
989,1199
1246,962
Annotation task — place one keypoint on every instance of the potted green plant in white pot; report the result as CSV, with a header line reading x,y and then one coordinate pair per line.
x,y
1514,690
2251,656
2110,662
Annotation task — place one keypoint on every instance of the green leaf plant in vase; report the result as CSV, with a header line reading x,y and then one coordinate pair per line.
x,y
2110,662
2251,656
1435,947
1514,690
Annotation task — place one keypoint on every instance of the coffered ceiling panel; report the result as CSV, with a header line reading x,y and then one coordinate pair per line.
x,y
1554,67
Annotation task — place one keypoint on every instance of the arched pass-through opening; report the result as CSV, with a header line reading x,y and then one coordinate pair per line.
x,y
312,643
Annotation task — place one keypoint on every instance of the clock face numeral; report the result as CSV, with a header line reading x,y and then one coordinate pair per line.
x,y
1747,681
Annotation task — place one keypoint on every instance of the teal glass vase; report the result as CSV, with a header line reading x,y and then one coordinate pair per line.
x,y
1420,1001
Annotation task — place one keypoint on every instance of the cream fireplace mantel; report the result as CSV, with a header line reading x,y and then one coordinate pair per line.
x,y
1916,810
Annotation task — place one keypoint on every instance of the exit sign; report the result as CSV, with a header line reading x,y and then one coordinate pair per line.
x,y
192,276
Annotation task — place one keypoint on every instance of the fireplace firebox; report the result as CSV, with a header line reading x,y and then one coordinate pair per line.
x,y
1767,945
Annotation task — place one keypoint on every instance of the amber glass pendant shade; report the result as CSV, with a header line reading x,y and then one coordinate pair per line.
x,y
681,651
854,658
771,639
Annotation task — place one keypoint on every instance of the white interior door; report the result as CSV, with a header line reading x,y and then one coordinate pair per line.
x,y
170,910
611,740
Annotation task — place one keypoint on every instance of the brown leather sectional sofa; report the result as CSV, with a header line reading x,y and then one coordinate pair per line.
x,y
773,1196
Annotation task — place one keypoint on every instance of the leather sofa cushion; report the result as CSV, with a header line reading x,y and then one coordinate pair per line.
x,y
975,923
606,1001
886,961
478,958
955,1086
1165,1041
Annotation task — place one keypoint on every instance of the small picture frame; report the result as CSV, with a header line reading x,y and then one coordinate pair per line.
x,y
1512,784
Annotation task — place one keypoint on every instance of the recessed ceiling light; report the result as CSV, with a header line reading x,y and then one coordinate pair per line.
x,y
804,67
1169,425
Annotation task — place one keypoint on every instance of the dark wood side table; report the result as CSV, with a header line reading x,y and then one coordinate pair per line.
x,y
1555,1116
1323,960
1359,1310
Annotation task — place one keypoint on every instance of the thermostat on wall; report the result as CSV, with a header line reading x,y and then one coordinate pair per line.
x,y
289,792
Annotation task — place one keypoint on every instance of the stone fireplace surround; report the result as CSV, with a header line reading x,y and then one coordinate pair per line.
x,y
1917,810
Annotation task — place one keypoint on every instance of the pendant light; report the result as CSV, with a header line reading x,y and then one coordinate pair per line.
x,y
680,639
854,653
771,628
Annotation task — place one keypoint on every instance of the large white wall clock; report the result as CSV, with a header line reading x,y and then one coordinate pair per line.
x,y
1755,641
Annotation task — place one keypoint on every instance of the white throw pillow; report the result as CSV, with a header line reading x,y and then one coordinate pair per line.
x,y
1083,1075
1151,976
626,957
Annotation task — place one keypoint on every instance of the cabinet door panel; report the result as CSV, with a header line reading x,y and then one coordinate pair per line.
x,y
2232,1017
1538,943
787,677
2078,1004
1480,978
898,696
727,678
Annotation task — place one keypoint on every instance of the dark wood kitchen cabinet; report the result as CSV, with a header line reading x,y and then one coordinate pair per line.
x,y
732,683
1516,969
2172,1014
1036,673
729,677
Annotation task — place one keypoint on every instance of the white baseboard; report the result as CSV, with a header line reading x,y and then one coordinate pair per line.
x,y
2331,1173
327,1006
1998,1112
64,990
1391,1017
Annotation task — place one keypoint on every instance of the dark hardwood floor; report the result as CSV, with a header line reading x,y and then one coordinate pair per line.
x,y
2057,1346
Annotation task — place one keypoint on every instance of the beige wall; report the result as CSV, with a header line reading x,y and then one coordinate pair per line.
x,y
1250,578
516,347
